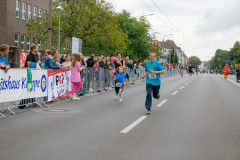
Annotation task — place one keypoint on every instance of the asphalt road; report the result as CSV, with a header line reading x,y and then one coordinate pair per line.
x,y
197,118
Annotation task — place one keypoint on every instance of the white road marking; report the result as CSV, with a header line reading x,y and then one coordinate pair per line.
x,y
186,84
189,81
131,126
160,104
175,92
182,87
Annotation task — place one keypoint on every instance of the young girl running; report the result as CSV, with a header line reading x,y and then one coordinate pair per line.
x,y
119,83
75,76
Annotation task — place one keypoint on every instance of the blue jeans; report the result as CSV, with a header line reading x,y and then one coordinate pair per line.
x,y
151,88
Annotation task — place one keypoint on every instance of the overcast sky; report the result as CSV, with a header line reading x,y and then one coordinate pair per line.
x,y
204,25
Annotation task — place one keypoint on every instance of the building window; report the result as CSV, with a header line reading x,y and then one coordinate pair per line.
x,y
44,15
34,40
23,11
22,42
17,9
39,43
28,43
35,13
29,12
16,39
40,12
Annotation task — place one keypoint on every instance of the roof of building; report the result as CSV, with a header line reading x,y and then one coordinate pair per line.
x,y
168,44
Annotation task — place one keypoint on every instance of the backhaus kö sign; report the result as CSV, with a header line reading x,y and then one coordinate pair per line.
x,y
13,84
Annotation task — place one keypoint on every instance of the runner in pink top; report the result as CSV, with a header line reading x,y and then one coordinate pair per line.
x,y
75,76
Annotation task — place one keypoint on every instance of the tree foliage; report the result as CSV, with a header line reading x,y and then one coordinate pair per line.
x,y
234,53
195,61
137,30
173,58
96,24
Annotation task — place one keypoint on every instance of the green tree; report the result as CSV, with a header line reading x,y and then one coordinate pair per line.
x,y
175,58
137,30
194,60
94,23
234,53
157,49
220,59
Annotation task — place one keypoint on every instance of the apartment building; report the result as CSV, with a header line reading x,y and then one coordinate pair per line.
x,y
14,15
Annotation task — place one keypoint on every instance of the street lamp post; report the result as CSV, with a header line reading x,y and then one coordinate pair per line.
x,y
163,46
49,45
60,9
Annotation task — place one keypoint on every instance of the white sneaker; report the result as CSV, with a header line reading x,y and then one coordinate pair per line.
x,y
121,100
91,90
75,98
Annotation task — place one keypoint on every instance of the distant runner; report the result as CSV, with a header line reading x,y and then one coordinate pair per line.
x,y
226,71
153,69
190,69
197,69
119,83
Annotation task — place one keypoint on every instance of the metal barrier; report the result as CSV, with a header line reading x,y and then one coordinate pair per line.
x,y
92,81
104,78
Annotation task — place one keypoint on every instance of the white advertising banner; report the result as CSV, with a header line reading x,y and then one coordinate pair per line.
x,y
13,84
59,84
76,45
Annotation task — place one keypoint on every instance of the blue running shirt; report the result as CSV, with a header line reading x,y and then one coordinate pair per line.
x,y
121,77
153,79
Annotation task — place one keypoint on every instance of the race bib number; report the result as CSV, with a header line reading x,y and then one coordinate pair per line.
x,y
119,84
152,76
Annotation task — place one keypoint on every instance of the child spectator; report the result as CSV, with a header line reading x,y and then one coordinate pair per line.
x,y
96,70
67,64
75,76
62,59
4,49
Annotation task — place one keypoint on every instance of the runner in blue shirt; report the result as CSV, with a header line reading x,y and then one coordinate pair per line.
x,y
153,69
119,83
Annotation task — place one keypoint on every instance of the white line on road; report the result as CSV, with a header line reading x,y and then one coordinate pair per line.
x,y
186,84
160,104
182,87
189,81
175,92
131,126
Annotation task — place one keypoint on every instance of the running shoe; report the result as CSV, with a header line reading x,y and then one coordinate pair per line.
x,y
148,111
91,90
116,97
158,97
99,91
121,100
84,92
75,98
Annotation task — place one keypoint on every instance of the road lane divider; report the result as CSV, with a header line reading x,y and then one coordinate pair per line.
x,y
186,84
160,104
134,124
189,81
175,92
182,87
